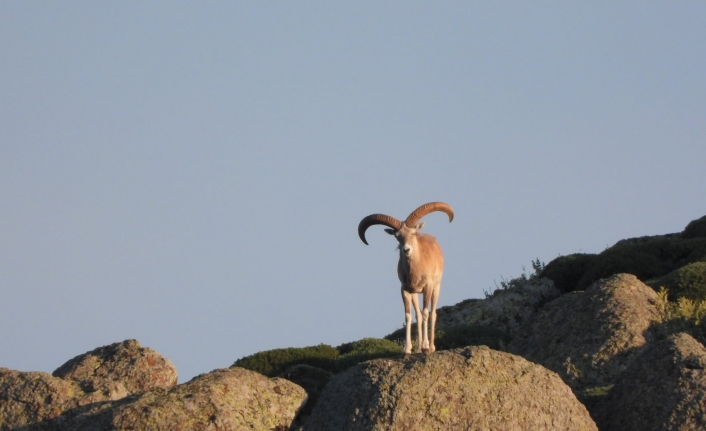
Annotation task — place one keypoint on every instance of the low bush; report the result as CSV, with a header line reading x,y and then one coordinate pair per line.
x,y
683,315
399,335
273,362
365,350
646,260
471,335
517,282
332,359
619,259
591,397
695,229
689,282
567,271
458,336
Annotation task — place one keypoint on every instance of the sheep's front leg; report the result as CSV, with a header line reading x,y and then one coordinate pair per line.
x,y
407,300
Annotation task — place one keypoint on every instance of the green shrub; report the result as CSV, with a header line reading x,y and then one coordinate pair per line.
x,y
517,282
619,259
695,229
399,335
689,282
471,335
566,271
682,315
679,252
273,362
646,260
590,397
459,336
365,350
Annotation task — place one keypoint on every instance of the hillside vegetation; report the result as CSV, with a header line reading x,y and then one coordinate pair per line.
x,y
674,265
652,259
609,341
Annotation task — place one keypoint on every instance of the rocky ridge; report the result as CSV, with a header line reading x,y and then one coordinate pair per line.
x,y
581,336
125,386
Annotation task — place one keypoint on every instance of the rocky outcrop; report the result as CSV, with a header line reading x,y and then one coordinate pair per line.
x,y
507,309
590,337
93,392
105,374
137,368
474,388
663,390
225,399
28,398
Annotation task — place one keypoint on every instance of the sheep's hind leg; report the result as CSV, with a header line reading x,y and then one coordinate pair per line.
x,y
432,326
425,316
421,335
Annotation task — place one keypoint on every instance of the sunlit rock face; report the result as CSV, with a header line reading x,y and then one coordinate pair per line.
x,y
137,368
474,388
224,399
126,386
590,337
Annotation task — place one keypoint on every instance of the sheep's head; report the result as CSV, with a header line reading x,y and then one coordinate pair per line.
x,y
407,237
406,233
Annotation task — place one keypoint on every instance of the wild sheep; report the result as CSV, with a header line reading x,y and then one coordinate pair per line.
x,y
419,269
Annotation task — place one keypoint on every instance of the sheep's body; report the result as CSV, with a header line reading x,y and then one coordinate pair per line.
x,y
420,273
420,267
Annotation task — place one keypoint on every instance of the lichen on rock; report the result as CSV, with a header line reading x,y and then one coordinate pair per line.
x,y
475,388
507,309
137,368
664,389
589,337
28,398
224,399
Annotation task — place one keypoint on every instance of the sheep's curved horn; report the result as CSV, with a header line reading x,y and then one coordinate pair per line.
x,y
376,219
426,209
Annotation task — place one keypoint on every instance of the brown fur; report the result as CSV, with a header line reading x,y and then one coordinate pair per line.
x,y
419,273
419,269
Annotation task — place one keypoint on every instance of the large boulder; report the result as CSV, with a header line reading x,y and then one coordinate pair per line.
x,y
507,309
224,400
137,368
590,337
664,390
33,397
474,388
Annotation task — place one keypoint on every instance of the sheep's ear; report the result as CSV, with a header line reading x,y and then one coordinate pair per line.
x,y
390,231
419,225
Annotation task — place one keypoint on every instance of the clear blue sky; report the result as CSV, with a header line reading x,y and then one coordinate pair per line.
x,y
192,174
